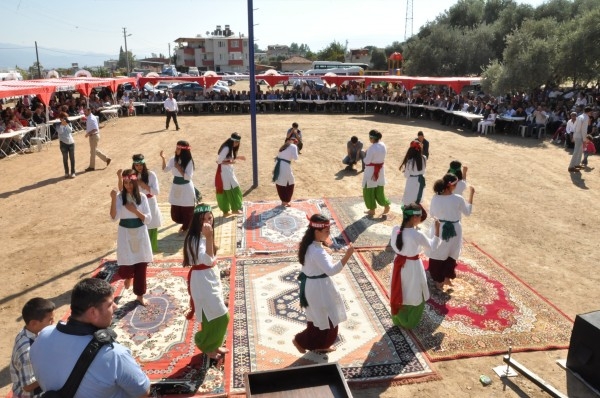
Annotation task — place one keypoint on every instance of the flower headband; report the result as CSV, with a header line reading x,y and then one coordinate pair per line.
x,y
131,177
415,144
202,209
184,147
318,225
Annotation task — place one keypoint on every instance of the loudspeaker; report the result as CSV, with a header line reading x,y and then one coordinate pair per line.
x,y
584,349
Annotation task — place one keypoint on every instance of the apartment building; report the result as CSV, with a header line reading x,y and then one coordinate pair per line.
x,y
220,50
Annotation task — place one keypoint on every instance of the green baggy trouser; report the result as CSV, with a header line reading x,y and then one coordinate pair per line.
x,y
409,316
231,199
212,334
375,196
153,234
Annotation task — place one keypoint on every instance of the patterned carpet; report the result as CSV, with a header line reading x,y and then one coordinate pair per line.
x,y
268,228
158,335
170,243
267,315
487,310
363,231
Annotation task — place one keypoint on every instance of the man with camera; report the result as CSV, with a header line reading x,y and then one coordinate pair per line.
x,y
113,373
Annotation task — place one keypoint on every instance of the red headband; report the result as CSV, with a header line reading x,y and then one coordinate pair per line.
x,y
131,177
318,225
184,147
415,144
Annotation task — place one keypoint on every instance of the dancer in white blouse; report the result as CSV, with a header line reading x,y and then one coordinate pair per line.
x,y
373,182
409,291
204,283
319,296
182,196
448,208
133,243
282,173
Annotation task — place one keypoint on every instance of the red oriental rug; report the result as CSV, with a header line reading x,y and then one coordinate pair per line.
x,y
267,315
159,336
269,228
487,310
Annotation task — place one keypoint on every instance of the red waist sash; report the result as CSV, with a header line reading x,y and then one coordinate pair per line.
x,y
219,180
396,290
377,167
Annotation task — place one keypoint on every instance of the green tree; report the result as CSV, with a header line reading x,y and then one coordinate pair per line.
x,y
334,52
122,62
294,48
378,59
257,48
33,71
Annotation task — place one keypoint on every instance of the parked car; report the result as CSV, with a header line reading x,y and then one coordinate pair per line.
x,y
189,89
164,86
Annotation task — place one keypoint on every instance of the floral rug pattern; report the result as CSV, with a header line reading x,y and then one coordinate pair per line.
x,y
487,310
267,315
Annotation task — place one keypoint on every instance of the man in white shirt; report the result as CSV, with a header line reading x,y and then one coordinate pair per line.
x,y
581,131
171,109
92,130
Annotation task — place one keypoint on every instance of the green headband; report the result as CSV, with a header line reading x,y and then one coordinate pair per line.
x,y
410,212
142,161
453,171
202,209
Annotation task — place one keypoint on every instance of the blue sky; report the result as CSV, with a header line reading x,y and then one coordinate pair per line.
x,y
96,26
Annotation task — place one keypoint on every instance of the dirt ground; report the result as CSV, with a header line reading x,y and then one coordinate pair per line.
x,y
529,213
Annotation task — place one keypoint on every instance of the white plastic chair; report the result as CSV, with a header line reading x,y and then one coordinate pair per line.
x,y
42,136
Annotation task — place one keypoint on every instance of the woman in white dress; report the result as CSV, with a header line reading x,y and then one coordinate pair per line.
x,y
448,208
409,291
204,283
319,296
282,173
373,182
414,165
133,243
148,185
182,196
229,194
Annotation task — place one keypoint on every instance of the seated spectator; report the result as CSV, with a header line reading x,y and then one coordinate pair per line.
x,y
540,117
488,121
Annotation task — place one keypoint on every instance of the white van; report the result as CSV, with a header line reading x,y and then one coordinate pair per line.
x,y
193,71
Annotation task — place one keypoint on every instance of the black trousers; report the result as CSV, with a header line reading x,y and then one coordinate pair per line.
x,y
174,116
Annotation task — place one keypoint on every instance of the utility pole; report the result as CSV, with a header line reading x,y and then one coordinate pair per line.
x,y
169,54
37,57
126,53
408,32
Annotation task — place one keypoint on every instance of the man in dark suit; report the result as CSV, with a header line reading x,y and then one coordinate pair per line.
x,y
424,143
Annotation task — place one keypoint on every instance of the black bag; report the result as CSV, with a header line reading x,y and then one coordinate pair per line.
x,y
101,338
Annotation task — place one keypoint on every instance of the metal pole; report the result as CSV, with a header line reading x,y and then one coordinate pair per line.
x,y
126,53
37,57
252,79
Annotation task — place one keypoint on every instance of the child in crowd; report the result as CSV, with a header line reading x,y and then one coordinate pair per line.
x,y
37,314
588,149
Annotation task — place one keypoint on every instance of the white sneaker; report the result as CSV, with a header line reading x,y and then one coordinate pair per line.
x,y
73,175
